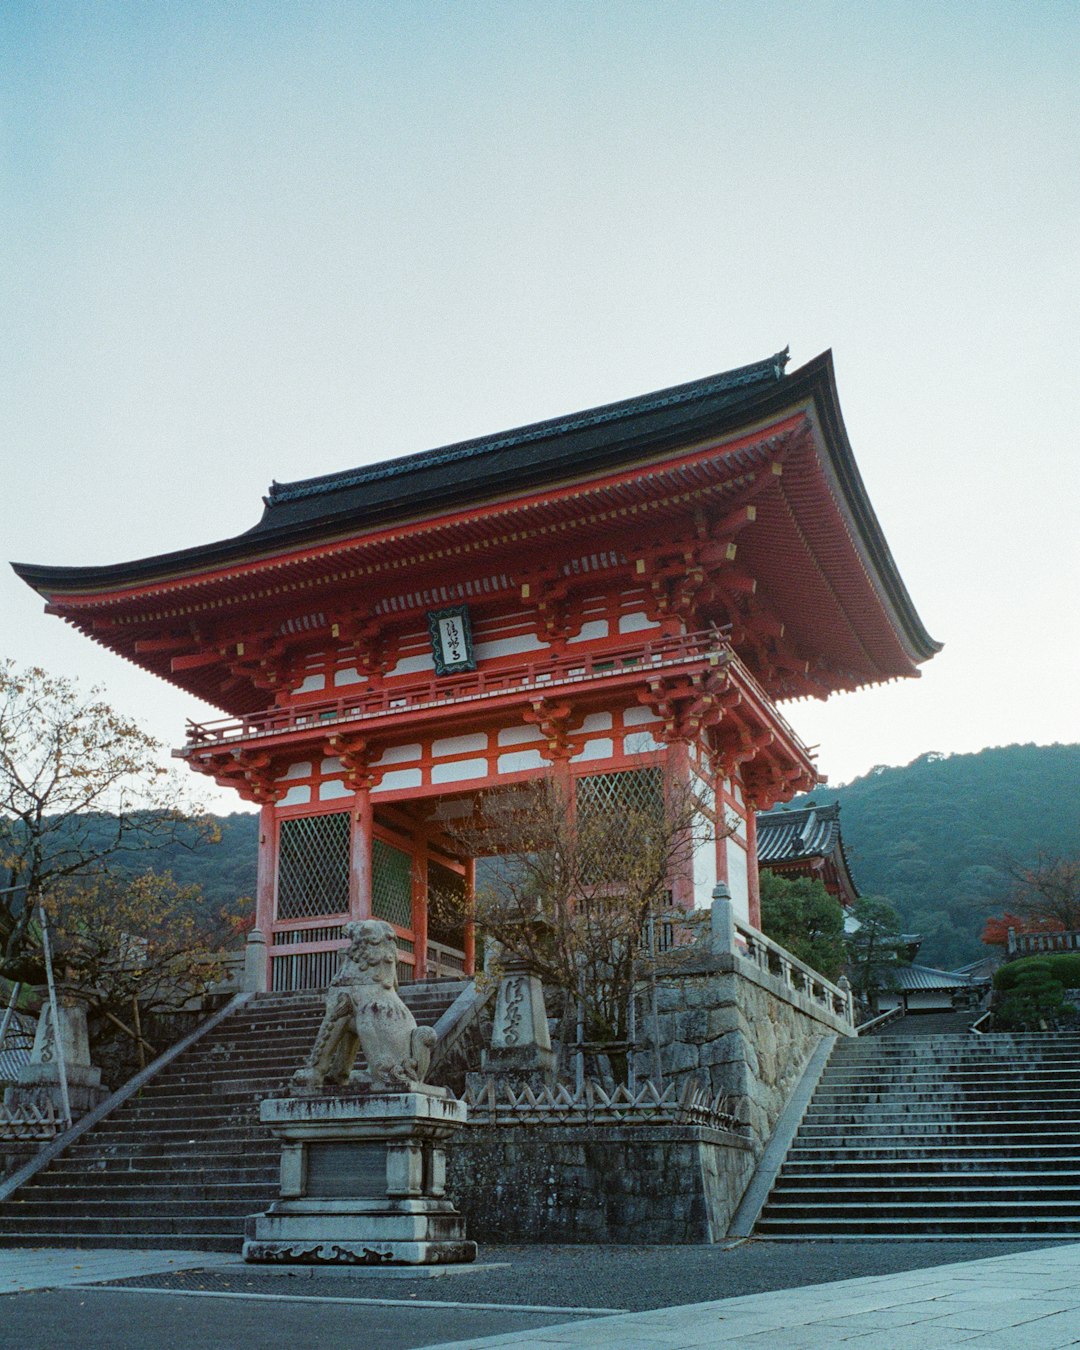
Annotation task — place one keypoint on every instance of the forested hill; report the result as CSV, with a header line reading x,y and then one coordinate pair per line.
x,y
931,836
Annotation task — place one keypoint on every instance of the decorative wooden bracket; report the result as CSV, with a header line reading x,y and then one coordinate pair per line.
x,y
553,719
355,753
251,773
547,592
686,704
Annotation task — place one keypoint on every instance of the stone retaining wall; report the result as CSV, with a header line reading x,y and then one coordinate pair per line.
x,y
733,1027
635,1184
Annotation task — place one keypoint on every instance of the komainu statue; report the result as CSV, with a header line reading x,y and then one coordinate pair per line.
x,y
365,1014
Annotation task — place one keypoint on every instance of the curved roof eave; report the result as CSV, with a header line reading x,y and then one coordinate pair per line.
x,y
660,430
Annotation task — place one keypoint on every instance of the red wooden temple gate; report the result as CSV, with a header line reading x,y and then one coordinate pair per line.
x,y
604,596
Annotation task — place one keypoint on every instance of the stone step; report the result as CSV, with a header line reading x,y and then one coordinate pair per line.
x,y
886,1199
1034,1132
929,1209
165,1173
103,1225
938,1136
26,1235
963,1116
964,1075
918,1229
903,1171
185,1162
147,1211
1029,1042
948,1093
890,1151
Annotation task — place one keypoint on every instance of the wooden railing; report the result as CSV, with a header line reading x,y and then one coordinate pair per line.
x,y
392,698
444,962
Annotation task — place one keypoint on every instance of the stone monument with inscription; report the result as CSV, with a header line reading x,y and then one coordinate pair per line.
x,y
363,1157
521,1051
39,1080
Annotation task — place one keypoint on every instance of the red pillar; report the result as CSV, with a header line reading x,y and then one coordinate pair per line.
x,y
360,856
266,877
419,911
752,885
469,936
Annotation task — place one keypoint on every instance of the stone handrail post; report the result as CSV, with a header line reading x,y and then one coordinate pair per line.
x,y
255,965
723,920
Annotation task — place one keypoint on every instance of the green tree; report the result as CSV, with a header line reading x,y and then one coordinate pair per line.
x,y
1035,1001
81,789
802,916
874,949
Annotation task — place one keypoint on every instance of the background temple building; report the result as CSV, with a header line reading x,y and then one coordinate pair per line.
x,y
618,597
807,843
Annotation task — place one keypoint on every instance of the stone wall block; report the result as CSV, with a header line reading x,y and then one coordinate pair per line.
x,y
681,1058
692,1026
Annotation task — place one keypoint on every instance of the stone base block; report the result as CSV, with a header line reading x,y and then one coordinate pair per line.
x,y
354,1252
337,1232
362,1183
40,1084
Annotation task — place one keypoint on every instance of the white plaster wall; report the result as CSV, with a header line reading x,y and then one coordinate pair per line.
x,y
595,628
311,685
517,760
600,721
603,747
640,743
737,880
411,665
704,864
508,646
635,622
399,754
459,745
520,735
459,770
636,717
399,778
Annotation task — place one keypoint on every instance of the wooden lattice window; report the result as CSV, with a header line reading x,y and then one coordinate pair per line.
x,y
391,884
633,793
313,866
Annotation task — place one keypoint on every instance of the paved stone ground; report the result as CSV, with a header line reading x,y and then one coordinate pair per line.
x,y
903,1294
619,1278
1015,1302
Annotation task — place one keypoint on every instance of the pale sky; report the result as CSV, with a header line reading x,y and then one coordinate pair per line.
x,y
246,241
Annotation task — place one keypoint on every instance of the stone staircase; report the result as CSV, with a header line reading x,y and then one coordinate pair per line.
x,y
183,1163
937,1136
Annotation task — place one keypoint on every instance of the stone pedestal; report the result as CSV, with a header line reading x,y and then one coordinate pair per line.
x,y
520,1042
39,1079
363,1182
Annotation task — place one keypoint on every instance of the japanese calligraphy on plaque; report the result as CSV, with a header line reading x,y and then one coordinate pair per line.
x,y
451,640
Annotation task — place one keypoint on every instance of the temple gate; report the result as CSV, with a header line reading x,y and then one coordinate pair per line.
x,y
614,597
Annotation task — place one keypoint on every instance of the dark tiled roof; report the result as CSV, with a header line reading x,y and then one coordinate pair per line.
x,y
791,836
532,451
927,977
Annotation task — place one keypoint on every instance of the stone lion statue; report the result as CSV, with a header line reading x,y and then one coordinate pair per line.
x,y
364,1014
